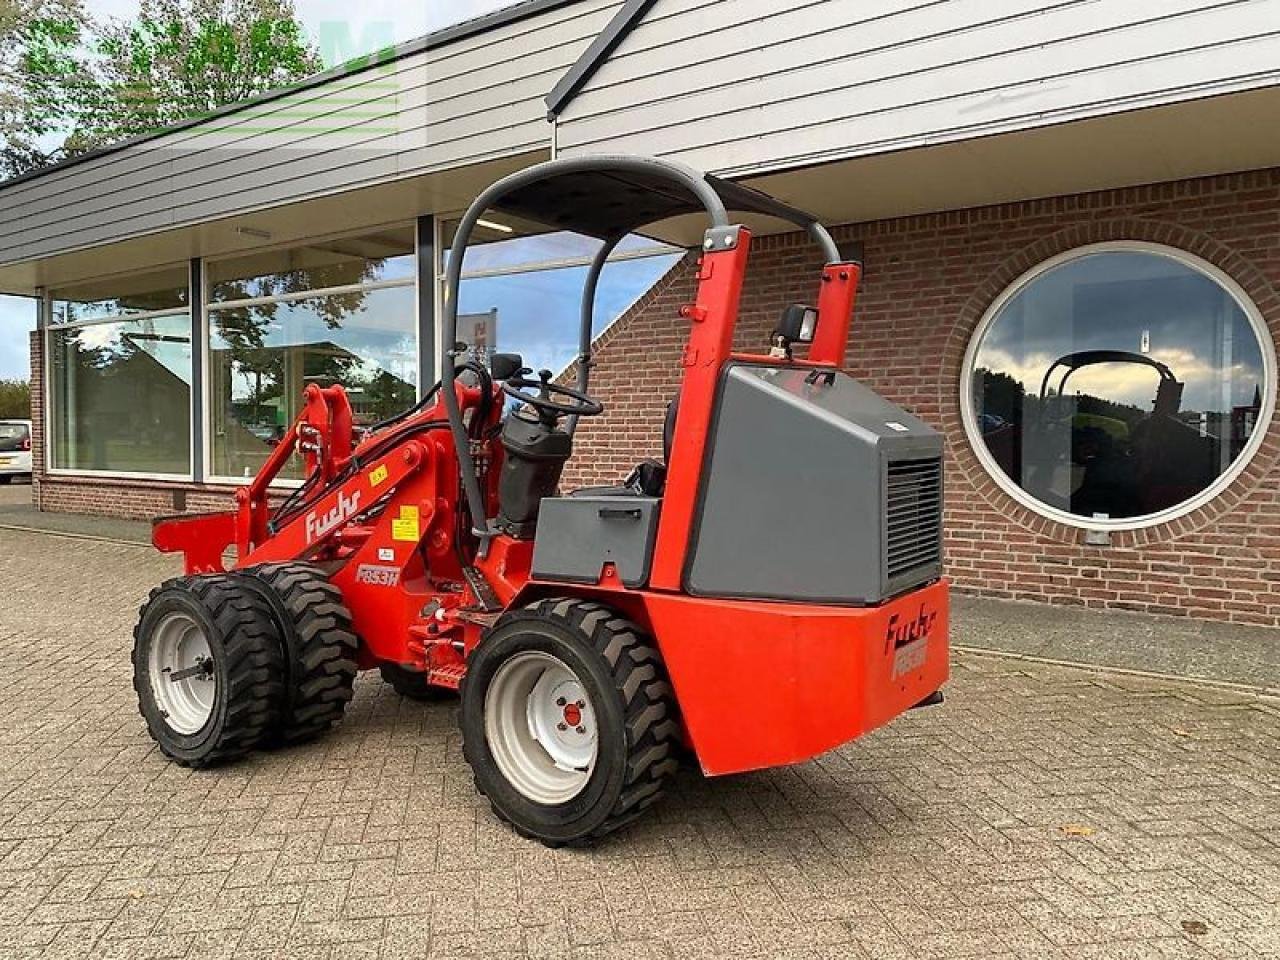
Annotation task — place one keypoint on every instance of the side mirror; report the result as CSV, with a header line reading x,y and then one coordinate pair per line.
x,y
799,324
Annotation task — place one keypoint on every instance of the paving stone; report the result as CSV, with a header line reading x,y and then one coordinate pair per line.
x,y
1043,811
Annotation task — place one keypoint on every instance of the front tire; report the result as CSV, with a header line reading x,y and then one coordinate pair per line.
x,y
319,642
207,668
568,721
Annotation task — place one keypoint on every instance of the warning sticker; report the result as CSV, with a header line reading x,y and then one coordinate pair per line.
x,y
378,476
406,526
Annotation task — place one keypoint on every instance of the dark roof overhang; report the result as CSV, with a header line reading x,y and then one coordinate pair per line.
x,y
594,57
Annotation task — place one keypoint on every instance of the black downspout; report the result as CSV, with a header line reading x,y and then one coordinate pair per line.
x,y
428,283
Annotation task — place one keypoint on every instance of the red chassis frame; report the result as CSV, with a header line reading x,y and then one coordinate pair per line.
x,y
759,683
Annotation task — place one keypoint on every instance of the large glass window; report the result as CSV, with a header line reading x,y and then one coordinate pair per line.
x,y
521,291
1119,385
120,364
332,312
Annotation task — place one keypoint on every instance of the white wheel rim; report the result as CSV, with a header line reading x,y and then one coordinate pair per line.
x,y
181,649
541,727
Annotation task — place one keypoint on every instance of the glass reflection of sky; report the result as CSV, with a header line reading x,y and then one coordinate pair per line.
x,y
1107,302
538,311
547,248
166,340
380,331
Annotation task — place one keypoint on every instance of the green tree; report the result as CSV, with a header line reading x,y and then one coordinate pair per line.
x,y
1001,394
15,400
84,84
30,31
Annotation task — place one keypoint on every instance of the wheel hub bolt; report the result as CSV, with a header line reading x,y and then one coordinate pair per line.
x,y
560,702
561,727
582,730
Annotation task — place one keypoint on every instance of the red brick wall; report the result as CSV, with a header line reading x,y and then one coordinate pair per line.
x,y
928,281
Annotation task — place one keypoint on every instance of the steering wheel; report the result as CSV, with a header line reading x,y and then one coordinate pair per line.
x,y
548,408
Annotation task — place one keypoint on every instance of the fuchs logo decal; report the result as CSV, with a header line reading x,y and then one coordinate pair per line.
x,y
909,641
318,525
376,576
900,634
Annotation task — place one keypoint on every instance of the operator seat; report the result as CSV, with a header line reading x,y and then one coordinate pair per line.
x,y
649,478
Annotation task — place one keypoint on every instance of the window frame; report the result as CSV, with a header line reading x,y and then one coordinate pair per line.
x,y
209,308
47,331
969,415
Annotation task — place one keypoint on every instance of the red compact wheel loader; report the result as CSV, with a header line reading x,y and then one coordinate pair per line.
x,y
769,590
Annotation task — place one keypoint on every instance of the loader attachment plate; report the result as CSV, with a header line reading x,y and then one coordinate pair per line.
x,y
202,538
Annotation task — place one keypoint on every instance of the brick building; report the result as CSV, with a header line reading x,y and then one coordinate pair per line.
x,y
929,281
1068,214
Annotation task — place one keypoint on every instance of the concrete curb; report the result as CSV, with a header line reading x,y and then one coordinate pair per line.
x,y
74,536
1266,693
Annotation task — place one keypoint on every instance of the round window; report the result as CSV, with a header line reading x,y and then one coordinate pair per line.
x,y
1118,385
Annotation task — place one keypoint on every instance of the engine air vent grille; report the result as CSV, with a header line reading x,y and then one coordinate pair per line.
x,y
913,519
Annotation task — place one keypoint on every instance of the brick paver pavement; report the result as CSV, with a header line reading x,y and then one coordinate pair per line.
x,y
1042,812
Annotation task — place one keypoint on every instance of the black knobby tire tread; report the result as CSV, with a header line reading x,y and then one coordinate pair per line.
x,y
320,645
651,715
254,664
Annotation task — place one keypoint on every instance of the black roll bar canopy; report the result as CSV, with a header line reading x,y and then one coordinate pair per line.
x,y
606,197
1089,358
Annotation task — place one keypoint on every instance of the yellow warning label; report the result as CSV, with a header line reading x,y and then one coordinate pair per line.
x,y
378,476
406,526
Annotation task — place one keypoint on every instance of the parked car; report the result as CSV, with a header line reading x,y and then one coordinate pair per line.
x,y
15,449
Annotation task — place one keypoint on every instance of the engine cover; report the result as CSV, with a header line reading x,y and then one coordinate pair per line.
x,y
816,489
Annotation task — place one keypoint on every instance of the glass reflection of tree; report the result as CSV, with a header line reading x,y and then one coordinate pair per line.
x,y
119,407
101,355
147,301
385,395
245,328
88,357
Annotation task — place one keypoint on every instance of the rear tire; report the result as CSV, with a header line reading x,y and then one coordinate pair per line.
x,y
223,636
319,643
571,781
413,684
